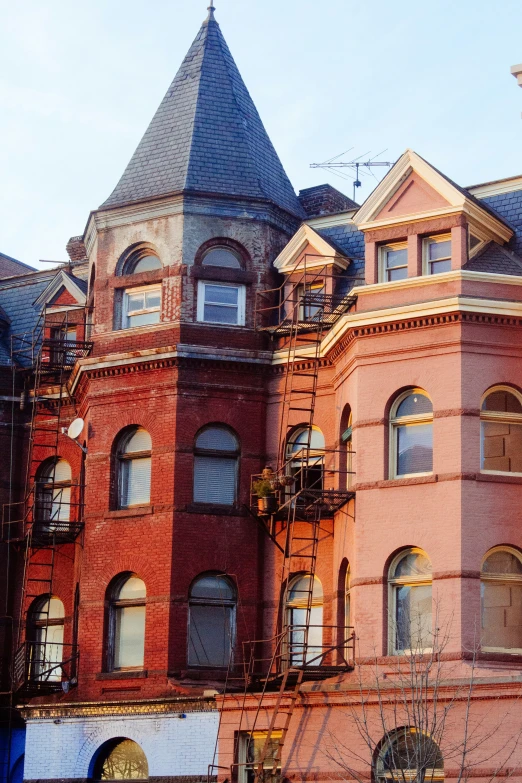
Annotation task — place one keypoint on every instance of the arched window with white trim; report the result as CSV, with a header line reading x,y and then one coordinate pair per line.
x,y
53,494
305,456
411,435
501,601
216,463
410,597
501,431
302,611
133,458
127,599
46,631
212,621
408,754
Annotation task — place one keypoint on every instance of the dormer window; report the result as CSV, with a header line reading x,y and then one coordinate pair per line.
x,y
394,262
141,306
437,255
222,257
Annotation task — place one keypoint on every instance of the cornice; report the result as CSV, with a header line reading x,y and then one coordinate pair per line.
x,y
112,709
444,277
496,187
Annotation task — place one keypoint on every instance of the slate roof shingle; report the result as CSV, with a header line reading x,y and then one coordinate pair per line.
x,y
495,260
206,137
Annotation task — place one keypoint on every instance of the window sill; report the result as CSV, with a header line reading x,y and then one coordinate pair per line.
x,y
134,511
432,478
134,674
502,478
501,657
214,509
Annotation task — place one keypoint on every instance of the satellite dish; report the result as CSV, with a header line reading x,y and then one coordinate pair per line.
x,y
75,429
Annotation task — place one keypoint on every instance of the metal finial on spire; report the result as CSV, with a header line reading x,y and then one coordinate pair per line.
x,y
211,10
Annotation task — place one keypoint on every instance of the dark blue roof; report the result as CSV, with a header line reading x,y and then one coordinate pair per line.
x,y
207,136
495,259
509,207
351,241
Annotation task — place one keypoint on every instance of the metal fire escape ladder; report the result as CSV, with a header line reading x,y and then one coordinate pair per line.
x,y
302,506
43,521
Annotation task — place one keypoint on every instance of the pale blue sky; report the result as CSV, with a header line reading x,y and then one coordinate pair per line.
x,y
79,83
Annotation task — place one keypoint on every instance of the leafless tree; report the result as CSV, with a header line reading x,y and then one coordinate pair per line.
x,y
417,717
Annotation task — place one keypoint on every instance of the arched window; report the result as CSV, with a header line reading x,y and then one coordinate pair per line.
x,y
212,621
53,495
501,431
216,458
347,599
46,627
121,759
304,609
411,439
127,623
346,449
133,456
223,257
305,458
140,259
410,601
501,598
408,754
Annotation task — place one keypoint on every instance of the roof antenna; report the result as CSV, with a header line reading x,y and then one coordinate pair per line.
x,y
211,10
356,165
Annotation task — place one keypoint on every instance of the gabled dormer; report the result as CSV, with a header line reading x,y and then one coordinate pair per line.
x,y
418,222
65,289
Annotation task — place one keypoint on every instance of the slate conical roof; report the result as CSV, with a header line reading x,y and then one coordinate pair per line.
x,y
206,136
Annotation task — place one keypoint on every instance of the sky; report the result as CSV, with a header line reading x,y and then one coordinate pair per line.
x,y
79,83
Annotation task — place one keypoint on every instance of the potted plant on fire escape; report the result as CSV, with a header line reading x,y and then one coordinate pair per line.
x,y
265,489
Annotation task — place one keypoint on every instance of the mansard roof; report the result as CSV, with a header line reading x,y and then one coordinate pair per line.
x,y
206,137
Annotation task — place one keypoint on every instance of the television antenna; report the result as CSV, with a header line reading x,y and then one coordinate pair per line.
x,y
357,166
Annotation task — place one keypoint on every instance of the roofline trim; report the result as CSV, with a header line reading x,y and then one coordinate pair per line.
x,y
496,187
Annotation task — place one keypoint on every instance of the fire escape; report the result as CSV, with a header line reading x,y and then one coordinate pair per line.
x,y
43,526
309,485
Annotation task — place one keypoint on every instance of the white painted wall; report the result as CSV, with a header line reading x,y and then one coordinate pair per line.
x,y
173,746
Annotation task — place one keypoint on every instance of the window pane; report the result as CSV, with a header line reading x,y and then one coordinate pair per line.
x,y
48,653
413,564
133,588
413,617
135,481
440,250
414,449
146,263
502,615
139,440
129,637
502,402
396,258
300,589
297,638
220,314
126,761
221,294
415,404
144,319
213,587
502,446
210,635
135,302
220,256
55,610
502,562
437,267
153,298
397,274
215,480
216,439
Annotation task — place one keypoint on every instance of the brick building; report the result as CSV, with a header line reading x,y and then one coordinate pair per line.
x,y
210,326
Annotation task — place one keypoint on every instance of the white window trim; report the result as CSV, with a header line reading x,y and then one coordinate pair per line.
x,y
241,301
393,583
125,305
242,752
425,252
501,579
395,423
493,416
382,259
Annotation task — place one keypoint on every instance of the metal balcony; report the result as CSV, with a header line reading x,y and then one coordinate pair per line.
x,y
44,668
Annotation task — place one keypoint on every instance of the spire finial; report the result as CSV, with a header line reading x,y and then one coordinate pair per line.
x,y
211,10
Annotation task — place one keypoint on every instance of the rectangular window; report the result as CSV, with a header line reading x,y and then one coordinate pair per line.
x,y
129,637
502,446
394,262
501,609
135,482
414,449
250,752
210,635
221,304
311,301
437,255
141,306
